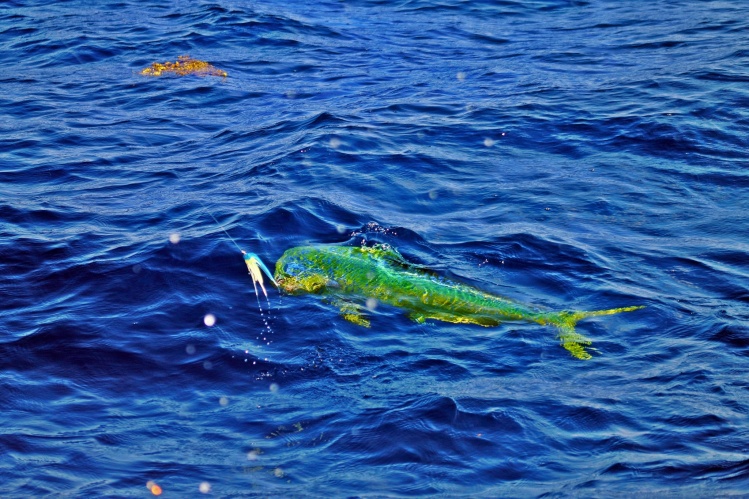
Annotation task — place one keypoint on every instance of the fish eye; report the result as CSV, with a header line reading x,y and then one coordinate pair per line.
x,y
293,269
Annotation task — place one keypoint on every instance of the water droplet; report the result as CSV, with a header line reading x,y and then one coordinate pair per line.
x,y
488,142
204,487
154,488
335,143
274,388
174,238
209,320
223,401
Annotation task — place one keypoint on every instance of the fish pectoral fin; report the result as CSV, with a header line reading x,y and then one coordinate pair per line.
x,y
352,313
356,317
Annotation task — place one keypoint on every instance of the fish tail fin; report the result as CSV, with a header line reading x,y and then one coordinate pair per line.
x,y
572,341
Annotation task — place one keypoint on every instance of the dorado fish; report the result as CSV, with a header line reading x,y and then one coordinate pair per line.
x,y
352,275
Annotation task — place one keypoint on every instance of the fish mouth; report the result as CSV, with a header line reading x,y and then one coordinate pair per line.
x,y
289,285
284,284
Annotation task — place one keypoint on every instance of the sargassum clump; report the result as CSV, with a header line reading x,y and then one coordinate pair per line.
x,y
185,65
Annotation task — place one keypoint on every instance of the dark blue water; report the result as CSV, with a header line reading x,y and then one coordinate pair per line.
x,y
569,154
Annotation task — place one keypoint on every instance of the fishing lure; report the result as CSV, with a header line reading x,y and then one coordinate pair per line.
x,y
255,265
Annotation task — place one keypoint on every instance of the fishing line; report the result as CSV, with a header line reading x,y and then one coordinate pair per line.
x,y
205,208
255,266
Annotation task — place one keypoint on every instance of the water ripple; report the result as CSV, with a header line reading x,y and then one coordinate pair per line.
x,y
571,155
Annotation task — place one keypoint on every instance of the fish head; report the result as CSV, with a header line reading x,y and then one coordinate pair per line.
x,y
299,272
303,284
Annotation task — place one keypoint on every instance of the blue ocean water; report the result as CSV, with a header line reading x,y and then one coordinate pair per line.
x,y
565,153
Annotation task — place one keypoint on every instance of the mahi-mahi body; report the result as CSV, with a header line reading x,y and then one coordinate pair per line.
x,y
356,274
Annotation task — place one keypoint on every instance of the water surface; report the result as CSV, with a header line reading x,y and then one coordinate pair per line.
x,y
569,154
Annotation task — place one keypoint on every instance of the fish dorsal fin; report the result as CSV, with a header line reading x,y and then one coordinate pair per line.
x,y
392,257
389,253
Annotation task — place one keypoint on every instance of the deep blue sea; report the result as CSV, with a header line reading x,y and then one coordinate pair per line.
x,y
568,154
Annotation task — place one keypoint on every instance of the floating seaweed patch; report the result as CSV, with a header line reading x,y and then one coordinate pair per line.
x,y
185,65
